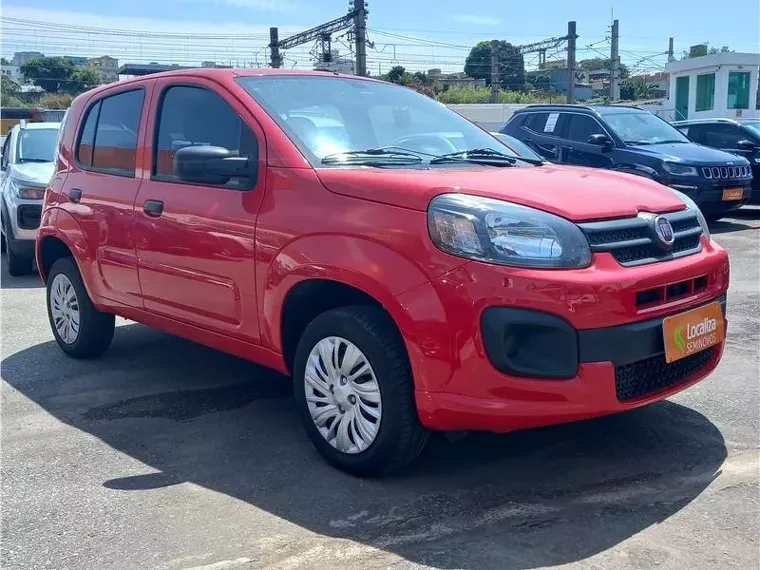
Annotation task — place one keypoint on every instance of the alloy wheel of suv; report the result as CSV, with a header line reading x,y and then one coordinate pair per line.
x,y
354,389
78,327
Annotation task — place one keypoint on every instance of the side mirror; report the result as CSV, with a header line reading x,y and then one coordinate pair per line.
x,y
600,140
746,144
212,165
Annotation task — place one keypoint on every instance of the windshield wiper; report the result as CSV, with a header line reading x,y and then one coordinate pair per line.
x,y
372,157
479,155
34,160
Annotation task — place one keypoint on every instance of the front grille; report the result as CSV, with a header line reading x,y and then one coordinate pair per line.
x,y
652,375
632,241
726,172
648,298
29,216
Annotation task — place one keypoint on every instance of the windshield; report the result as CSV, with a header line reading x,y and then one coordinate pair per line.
x,y
643,128
328,116
754,127
517,147
37,145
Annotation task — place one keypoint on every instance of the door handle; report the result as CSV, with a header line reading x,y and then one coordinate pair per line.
x,y
75,195
153,208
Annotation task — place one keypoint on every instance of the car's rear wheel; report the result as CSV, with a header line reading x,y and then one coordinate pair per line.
x,y
354,389
78,327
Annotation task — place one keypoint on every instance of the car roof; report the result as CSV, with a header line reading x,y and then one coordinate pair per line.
x,y
228,74
600,109
714,121
36,126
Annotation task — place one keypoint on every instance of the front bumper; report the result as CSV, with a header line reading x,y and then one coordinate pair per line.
x,y
709,195
617,364
24,219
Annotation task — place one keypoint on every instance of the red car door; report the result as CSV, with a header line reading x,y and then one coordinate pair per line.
x,y
102,186
195,243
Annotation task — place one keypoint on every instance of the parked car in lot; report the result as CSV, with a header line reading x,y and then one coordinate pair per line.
x,y
737,136
397,264
25,169
632,140
519,148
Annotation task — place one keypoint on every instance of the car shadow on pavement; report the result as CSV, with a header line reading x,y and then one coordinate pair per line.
x,y
31,281
537,498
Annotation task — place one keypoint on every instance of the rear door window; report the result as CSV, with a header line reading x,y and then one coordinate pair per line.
x,y
723,136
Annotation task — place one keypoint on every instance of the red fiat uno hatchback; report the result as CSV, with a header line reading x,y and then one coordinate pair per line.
x,y
409,271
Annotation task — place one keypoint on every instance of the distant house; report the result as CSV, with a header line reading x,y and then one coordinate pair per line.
x,y
107,68
76,60
441,80
716,85
21,57
560,83
12,72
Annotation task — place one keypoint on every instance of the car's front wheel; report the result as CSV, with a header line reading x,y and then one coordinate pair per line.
x,y
78,327
354,389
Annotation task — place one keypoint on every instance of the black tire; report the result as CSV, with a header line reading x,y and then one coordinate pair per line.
x,y
18,265
401,436
95,328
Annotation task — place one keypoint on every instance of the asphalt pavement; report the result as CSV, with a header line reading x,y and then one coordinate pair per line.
x,y
168,455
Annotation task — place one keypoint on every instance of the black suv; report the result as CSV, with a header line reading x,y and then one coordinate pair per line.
x,y
737,136
632,140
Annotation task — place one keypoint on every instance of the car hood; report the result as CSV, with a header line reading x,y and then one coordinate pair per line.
x,y
37,173
689,153
578,194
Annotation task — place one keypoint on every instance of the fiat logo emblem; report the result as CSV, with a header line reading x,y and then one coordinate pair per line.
x,y
664,231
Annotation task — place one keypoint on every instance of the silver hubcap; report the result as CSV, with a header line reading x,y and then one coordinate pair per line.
x,y
64,308
343,395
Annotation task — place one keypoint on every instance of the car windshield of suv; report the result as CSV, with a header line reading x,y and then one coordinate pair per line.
x,y
643,128
340,121
36,145
754,127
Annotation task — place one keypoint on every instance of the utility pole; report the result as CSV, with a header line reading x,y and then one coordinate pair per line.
x,y
670,50
615,61
360,34
571,37
274,48
494,72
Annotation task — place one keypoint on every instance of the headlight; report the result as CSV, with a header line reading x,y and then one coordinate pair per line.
x,y
679,169
692,205
508,234
27,192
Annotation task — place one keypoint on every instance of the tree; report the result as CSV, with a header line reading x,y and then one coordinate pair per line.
x,y
4,61
58,75
9,92
396,74
82,80
510,63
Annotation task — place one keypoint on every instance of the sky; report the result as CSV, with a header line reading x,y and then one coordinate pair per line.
x,y
418,34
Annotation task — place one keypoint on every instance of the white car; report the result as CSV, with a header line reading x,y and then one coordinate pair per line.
x,y
26,166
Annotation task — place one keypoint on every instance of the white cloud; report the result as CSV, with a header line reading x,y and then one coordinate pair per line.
x,y
476,20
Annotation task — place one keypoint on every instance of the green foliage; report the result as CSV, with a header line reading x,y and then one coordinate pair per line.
x,y
55,101
539,80
4,61
58,75
9,92
396,74
471,96
510,63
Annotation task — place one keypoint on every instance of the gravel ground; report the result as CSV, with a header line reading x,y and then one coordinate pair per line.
x,y
168,455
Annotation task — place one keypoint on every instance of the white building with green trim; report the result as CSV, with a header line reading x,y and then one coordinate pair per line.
x,y
716,85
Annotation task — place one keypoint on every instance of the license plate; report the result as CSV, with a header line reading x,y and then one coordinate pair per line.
x,y
690,332
733,194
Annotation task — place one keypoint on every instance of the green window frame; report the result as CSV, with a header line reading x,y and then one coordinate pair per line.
x,y
705,92
738,90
